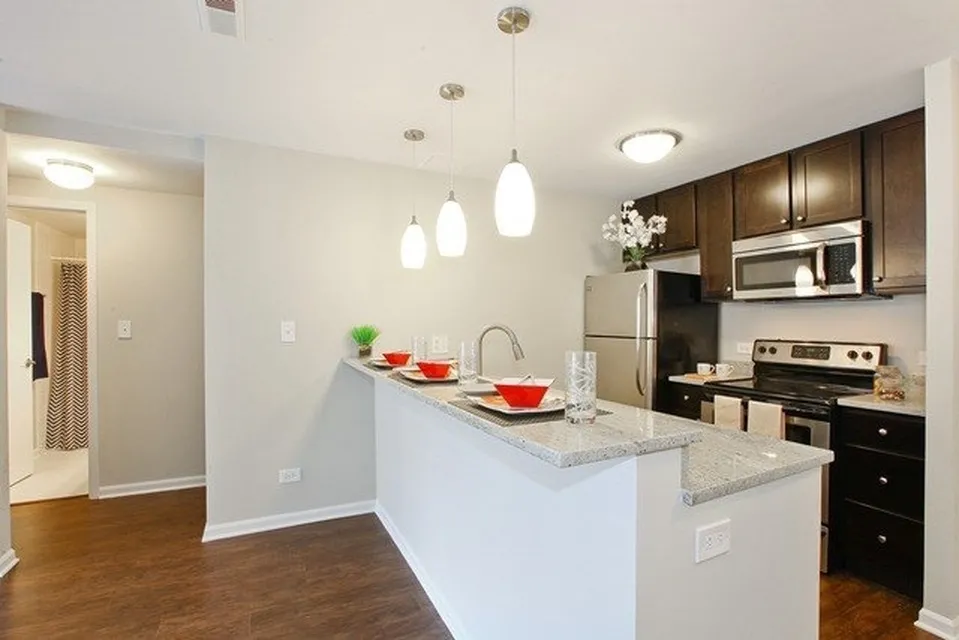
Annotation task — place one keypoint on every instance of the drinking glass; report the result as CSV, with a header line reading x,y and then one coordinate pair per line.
x,y
581,387
467,363
418,349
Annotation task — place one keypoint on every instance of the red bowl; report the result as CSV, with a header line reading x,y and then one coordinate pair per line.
x,y
522,396
434,369
397,358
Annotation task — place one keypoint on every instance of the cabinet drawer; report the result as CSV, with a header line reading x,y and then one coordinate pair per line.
x,y
885,481
684,400
883,431
883,548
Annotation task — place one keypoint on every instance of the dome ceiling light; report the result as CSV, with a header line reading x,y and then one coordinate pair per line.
x,y
646,147
69,174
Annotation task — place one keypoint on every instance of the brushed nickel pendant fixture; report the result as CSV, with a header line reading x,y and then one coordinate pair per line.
x,y
451,223
413,243
515,202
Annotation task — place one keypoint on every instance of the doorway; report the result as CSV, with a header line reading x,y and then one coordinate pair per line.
x,y
50,426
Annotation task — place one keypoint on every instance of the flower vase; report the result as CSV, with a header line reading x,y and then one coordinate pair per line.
x,y
365,351
635,265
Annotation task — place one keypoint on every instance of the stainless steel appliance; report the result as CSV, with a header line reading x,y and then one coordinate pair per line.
x,y
808,263
645,326
806,379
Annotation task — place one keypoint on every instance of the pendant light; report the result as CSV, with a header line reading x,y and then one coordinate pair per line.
x,y
515,203
451,223
413,244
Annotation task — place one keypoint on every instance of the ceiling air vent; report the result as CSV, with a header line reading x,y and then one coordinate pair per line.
x,y
224,17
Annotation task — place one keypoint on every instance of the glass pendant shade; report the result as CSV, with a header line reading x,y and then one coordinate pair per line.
x,y
451,229
515,203
413,246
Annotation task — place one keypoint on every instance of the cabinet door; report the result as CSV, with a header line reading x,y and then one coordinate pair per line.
x,y
714,214
762,197
679,207
895,162
827,181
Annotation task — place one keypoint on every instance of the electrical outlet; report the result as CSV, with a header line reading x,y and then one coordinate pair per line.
x,y
124,330
744,348
289,475
713,540
287,331
441,344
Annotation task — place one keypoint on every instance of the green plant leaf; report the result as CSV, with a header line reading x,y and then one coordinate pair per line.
x,y
364,335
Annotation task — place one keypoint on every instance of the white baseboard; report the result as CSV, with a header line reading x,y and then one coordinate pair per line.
x,y
937,625
153,486
284,520
8,561
443,608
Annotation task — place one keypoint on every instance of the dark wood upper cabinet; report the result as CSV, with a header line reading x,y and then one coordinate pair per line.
x,y
895,196
827,181
761,202
714,212
679,207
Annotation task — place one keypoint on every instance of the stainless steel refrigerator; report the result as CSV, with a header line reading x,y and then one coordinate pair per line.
x,y
644,327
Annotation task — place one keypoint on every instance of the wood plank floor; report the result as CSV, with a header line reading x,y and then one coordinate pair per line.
x,y
135,568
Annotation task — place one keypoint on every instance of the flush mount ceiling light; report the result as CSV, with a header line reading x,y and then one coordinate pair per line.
x,y
413,243
69,174
648,146
515,203
451,223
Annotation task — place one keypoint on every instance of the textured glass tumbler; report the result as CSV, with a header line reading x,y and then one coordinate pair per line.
x,y
418,349
466,368
581,387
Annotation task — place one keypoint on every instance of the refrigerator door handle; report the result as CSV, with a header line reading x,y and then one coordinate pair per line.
x,y
643,311
641,367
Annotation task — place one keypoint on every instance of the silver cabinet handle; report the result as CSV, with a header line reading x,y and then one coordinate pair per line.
x,y
800,218
883,431
877,278
881,538
729,288
29,363
883,480
784,221
686,398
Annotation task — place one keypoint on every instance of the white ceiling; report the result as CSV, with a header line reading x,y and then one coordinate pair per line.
x,y
113,167
72,223
740,78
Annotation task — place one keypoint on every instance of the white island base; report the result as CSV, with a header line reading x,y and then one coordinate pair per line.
x,y
508,546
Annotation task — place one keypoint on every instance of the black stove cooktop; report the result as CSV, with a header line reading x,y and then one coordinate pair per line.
x,y
817,391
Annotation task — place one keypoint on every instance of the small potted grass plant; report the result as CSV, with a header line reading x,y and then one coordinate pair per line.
x,y
364,336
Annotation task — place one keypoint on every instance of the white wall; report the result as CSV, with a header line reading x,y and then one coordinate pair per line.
x,y
941,584
149,271
899,322
314,239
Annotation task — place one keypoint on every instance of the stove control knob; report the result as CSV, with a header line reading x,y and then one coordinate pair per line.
x,y
852,354
772,350
762,349
867,355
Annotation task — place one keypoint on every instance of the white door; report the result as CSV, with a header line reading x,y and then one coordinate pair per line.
x,y
19,350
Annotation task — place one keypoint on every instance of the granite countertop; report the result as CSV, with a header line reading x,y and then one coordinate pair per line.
x,y
698,382
908,407
725,462
627,431
716,462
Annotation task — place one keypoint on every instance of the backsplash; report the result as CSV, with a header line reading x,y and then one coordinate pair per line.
x,y
900,323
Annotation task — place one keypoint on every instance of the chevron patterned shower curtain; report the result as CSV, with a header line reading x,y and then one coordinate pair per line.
x,y
67,419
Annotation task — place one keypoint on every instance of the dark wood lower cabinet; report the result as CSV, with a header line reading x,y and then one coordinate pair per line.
x,y
879,488
682,400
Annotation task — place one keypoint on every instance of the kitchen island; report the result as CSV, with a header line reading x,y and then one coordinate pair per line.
x,y
554,531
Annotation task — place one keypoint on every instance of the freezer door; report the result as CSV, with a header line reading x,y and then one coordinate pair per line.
x,y
612,303
625,370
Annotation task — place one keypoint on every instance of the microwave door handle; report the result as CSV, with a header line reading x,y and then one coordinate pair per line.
x,y
821,265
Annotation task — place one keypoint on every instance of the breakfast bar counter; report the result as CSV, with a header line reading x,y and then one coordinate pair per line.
x,y
562,531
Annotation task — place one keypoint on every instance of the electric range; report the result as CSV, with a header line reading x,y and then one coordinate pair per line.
x,y
805,379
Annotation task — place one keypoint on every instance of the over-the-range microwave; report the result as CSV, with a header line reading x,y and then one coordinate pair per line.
x,y
806,263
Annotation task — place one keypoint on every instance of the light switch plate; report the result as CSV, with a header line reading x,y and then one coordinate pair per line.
x,y
441,344
124,330
290,475
287,331
713,540
744,348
